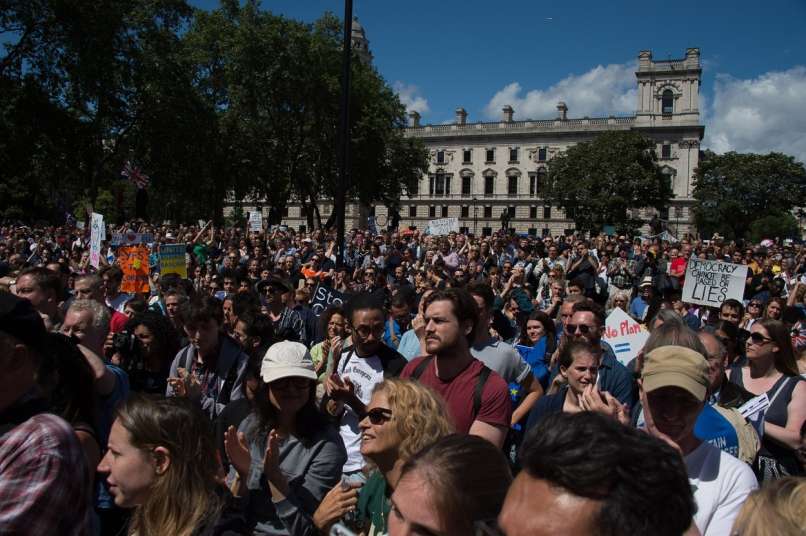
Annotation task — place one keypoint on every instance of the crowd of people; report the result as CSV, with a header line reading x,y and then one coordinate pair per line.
x,y
442,385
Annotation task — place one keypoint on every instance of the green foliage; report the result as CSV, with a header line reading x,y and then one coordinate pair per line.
x,y
598,181
733,190
777,225
235,101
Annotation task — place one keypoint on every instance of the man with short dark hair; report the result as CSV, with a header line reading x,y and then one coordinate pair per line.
x,y
573,481
477,398
43,288
208,371
731,311
44,478
112,277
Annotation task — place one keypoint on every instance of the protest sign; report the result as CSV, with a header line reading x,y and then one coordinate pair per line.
x,y
131,239
96,224
443,226
172,260
712,282
324,297
133,260
625,335
256,221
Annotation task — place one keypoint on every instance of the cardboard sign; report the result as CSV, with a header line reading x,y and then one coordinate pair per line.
x,y
712,282
172,260
625,335
324,297
256,221
443,226
131,239
133,260
96,224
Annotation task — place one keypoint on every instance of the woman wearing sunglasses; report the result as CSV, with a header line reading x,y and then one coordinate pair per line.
x,y
284,456
579,368
771,369
402,418
753,313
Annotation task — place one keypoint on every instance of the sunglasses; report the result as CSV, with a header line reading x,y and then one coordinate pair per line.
x,y
758,338
379,415
571,329
299,383
366,331
754,304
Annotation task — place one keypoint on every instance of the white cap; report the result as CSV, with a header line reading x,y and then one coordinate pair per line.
x,y
287,358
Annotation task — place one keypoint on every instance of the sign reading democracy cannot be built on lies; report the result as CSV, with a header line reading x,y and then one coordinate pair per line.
x,y
712,282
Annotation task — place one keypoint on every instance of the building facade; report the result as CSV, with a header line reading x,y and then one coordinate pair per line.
x,y
479,170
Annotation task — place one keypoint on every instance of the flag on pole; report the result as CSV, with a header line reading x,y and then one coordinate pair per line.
x,y
133,173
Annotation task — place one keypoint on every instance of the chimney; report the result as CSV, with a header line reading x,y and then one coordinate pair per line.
x,y
414,118
507,115
562,111
461,116
693,58
645,60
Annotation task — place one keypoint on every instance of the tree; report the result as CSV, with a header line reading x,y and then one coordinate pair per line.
x,y
735,189
775,225
598,181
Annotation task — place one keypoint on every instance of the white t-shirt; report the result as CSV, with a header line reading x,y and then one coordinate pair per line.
x,y
365,373
721,484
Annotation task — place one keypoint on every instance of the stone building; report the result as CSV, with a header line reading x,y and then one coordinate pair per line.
x,y
478,170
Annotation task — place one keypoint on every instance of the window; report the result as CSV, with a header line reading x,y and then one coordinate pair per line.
x,y
532,213
513,154
466,184
490,155
432,211
536,182
570,213
667,102
541,154
439,185
440,157
666,151
547,213
664,214
465,211
464,230
488,211
467,156
511,212
486,231
489,185
512,185
415,188
412,211
444,211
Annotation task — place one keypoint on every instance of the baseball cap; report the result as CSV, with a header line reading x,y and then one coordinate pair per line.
x,y
19,319
284,359
646,282
676,366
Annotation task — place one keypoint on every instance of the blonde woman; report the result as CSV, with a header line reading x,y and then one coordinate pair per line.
x,y
402,418
777,509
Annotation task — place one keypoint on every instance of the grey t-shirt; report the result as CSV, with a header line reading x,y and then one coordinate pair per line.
x,y
503,358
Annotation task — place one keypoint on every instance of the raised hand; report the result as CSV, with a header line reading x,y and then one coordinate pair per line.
x,y
237,451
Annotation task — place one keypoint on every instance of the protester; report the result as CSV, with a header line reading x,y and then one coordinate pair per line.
x,y
777,509
284,457
584,473
771,369
477,397
161,462
454,487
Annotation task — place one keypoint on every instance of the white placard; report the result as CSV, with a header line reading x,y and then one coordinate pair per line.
x,y
625,335
256,221
443,226
96,228
712,282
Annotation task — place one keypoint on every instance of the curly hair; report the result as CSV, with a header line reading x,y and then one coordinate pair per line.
x,y
418,413
778,508
161,328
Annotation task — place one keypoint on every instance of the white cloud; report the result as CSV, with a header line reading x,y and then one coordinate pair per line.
x,y
599,92
760,115
411,98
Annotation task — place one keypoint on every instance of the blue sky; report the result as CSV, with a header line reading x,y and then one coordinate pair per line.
x,y
448,53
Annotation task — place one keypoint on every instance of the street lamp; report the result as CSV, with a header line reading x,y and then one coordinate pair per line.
x,y
475,215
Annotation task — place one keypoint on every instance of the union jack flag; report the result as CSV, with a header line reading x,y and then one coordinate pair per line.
x,y
135,175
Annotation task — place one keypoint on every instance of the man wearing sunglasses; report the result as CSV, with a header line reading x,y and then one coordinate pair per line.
x,y
587,323
356,373
287,323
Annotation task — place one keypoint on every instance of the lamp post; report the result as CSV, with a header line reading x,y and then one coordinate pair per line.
x,y
344,132
475,215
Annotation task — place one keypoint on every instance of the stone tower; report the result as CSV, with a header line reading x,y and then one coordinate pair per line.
x,y
360,42
668,90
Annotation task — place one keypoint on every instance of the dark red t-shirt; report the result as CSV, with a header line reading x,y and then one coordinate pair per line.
x,y
458,393
679,264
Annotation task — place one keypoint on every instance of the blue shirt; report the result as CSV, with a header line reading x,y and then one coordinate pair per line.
x,y
535,356
715,429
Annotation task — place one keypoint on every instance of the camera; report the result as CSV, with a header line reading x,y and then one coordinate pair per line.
x,y
129,348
